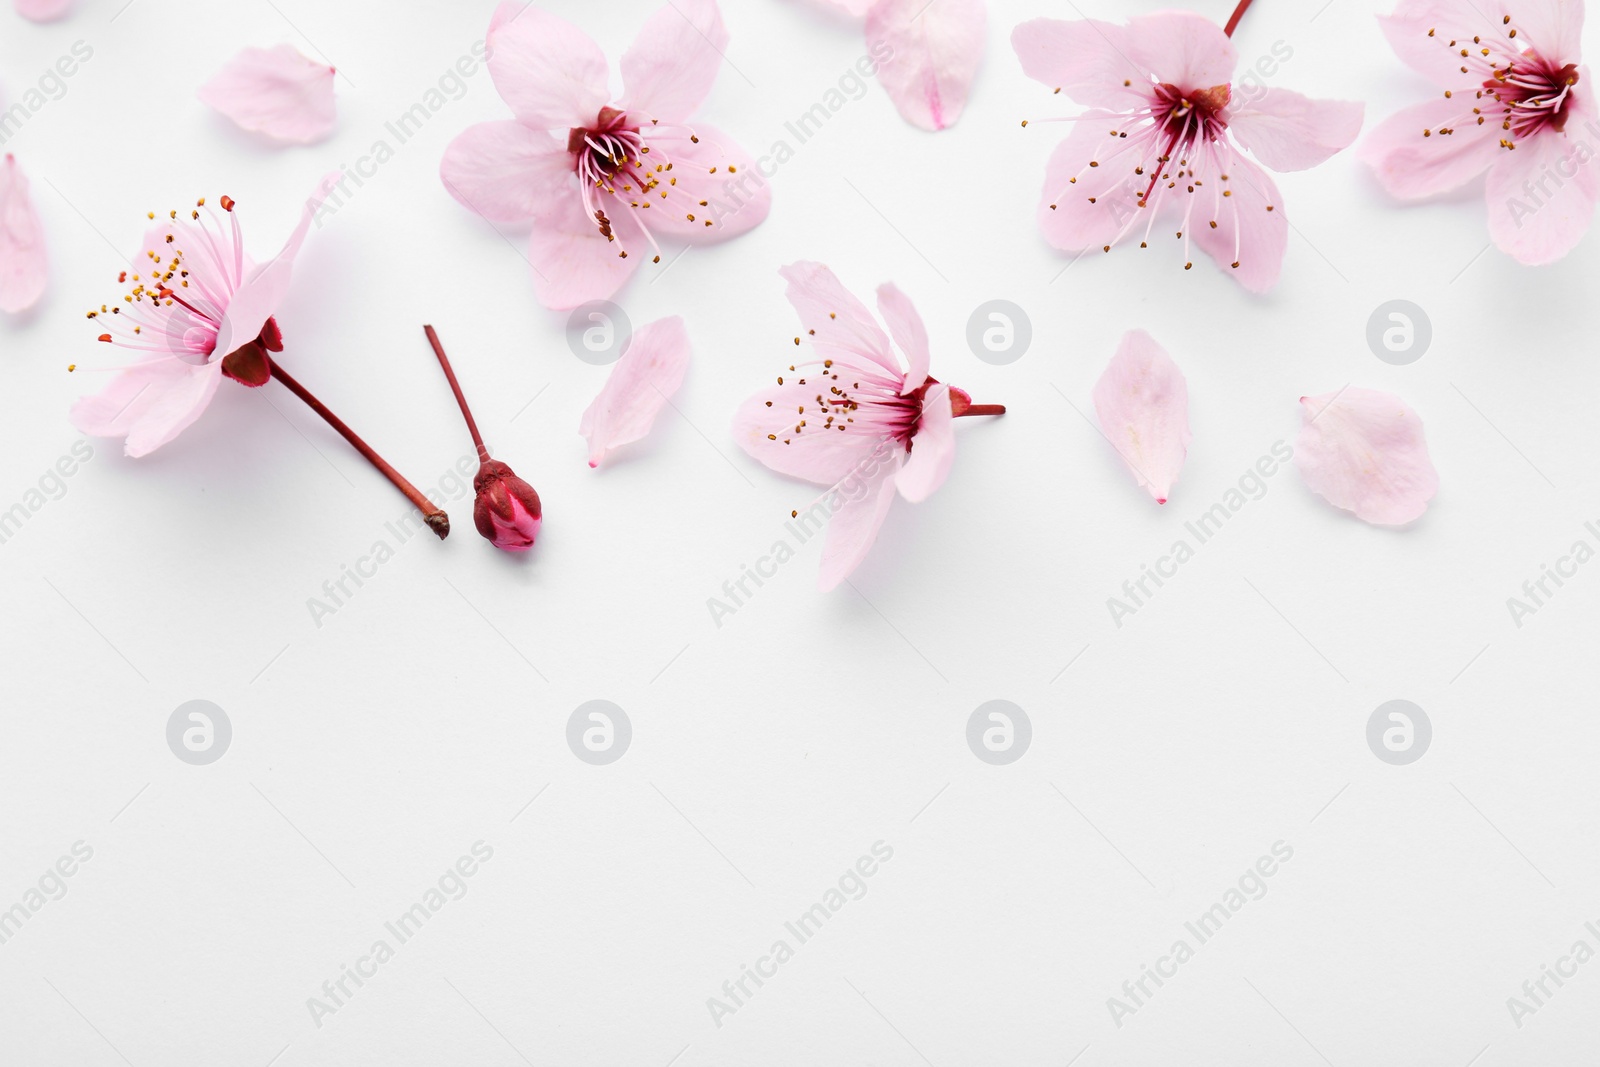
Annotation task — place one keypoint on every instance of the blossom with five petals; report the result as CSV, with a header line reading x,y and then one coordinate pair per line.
x,y
857,417
1513,97
600,178
197,310
1162,138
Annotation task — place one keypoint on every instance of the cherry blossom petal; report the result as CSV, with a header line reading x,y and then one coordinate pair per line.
x,y
835,322
549,71
276,92
669,69
1287,131
1542,195
938,45
1086,59
1251,230
905,326
1364,451
573,262
505,171
150,403
1410,166
640,383
765,427
1142,402
865,498
24,268
716,191
1091,190
1421,32
265,286
1181,48
933,447
43,10
1550,27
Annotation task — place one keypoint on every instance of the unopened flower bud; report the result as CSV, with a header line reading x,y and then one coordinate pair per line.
x,y
507,510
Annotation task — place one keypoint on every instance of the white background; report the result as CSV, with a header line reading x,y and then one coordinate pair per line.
x,y
768,754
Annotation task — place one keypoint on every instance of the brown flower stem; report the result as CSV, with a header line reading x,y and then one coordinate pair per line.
x,y
455,387
1238,13
983,409
436,519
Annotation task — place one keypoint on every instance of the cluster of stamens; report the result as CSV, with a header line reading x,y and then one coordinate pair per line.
x,y
1522,91
148,308
1176,143
841,400
615,159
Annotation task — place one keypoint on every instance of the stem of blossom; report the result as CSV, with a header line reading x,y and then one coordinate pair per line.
x,y
983,409
436,519
1238,13
455,387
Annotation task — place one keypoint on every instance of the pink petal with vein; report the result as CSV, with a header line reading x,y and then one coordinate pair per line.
x,y
641,382
668,70
505,171
549,71
263,290
933,449
865,498
23,267
1364,451
1288,131
938,45
1142,401
276,92
910,336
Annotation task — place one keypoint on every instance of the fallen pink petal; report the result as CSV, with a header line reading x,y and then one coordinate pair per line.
x,y
861,417
1513,103
599,178
650,371
1142,402
1159,153
1364,452
936,48
24,267
276,92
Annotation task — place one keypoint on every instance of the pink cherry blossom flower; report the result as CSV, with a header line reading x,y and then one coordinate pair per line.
x,y
1142,402
1162,139
1516,103
24,269
601,178
43,10
276,92
861,417
1364,451
198,310
640,384
926,52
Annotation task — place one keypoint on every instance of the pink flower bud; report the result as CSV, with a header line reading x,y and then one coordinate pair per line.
x,y
507,510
